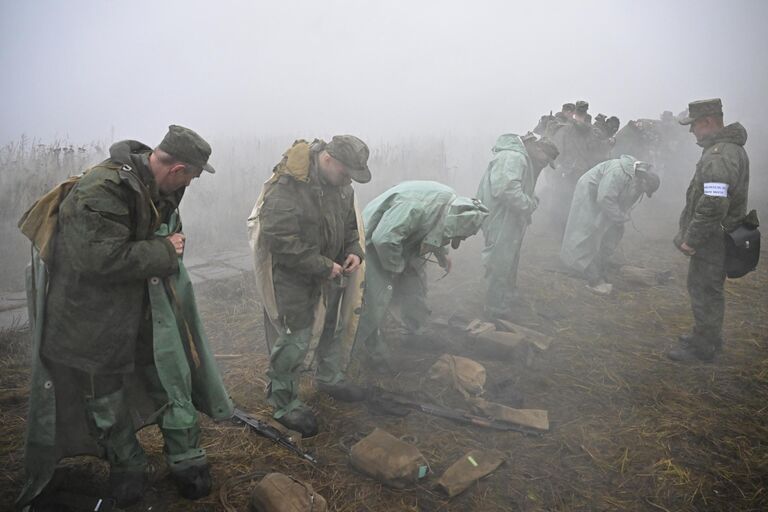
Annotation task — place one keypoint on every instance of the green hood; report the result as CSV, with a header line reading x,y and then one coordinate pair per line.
x,y
627,163
464,218
509,142
734,133
122,151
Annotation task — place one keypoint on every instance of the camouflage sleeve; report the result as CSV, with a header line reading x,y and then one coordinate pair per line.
x,y
351,231
279,218
717,174
507,183
100,238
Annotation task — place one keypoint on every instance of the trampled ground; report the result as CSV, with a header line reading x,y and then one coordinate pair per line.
x,y
630,429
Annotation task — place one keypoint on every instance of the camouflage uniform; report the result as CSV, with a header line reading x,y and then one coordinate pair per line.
x,y
307,224
716,201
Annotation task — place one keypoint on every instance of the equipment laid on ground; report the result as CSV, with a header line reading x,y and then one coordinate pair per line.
x,y
386,458
470,468
277,492
393,403
273,434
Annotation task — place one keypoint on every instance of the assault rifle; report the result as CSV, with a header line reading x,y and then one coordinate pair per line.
x,y
266,430
394,403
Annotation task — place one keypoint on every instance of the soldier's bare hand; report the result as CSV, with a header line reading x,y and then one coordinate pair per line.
x,y
448,264
351,263
178,240
687,249
336,271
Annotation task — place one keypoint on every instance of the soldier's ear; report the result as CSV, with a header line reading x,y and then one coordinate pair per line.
x,y
176,168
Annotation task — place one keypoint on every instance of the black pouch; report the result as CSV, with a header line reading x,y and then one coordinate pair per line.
x,y
742,247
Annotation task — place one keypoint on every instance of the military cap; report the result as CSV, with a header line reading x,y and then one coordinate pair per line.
x,y
187,146
353,153
667,115
582,106
652,183
549,148
568,107
702,108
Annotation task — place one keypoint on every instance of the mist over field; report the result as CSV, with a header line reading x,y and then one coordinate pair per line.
x,y
429,85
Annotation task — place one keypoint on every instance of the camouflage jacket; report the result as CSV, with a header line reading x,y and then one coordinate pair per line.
x,y
307,224
104,252
716,200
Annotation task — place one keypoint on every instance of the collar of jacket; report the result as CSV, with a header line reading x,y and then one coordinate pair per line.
x,y
140,163
734,133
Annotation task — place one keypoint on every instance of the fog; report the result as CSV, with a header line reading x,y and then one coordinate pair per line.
x,y
91,69
429,85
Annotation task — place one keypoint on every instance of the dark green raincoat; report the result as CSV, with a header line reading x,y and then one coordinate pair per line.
x,y
108,259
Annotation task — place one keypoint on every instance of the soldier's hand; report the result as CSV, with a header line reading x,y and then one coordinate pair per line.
x,y
351,263
336,271
178,240
687,249
447,264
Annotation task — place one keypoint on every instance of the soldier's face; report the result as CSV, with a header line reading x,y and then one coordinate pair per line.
x,y
178,176
703,127
332,170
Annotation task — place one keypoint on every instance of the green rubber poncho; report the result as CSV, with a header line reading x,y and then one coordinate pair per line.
x,y
192,382
603,197
507,190
403,226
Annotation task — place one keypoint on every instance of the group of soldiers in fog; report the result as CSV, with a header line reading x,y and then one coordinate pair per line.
x,y
118,342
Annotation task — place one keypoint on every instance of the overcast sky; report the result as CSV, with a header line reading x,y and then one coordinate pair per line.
x,y
95,69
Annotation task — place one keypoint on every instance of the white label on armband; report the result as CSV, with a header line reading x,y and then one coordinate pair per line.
x,y
716,189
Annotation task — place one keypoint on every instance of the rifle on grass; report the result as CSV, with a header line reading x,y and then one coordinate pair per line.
x,y
266,430
386,399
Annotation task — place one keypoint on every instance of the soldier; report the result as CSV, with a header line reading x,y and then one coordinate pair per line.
x,y
602,140
573,143
601,204
308,230
507,190
549,124
118,342
715,203
404,226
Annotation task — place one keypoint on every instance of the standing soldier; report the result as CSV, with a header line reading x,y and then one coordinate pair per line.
x,y
306,239
716,202
507,190
118,343
573,143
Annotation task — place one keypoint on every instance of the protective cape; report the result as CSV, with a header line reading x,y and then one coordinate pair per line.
x,y
507,190
603,196
55,432
296,162
404,225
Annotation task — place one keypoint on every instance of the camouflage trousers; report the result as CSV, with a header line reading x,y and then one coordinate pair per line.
x,y
289,349
706,277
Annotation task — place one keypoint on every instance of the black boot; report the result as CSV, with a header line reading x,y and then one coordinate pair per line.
x,y
301,420
127,486
687,353
688,339
343,391
193,482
